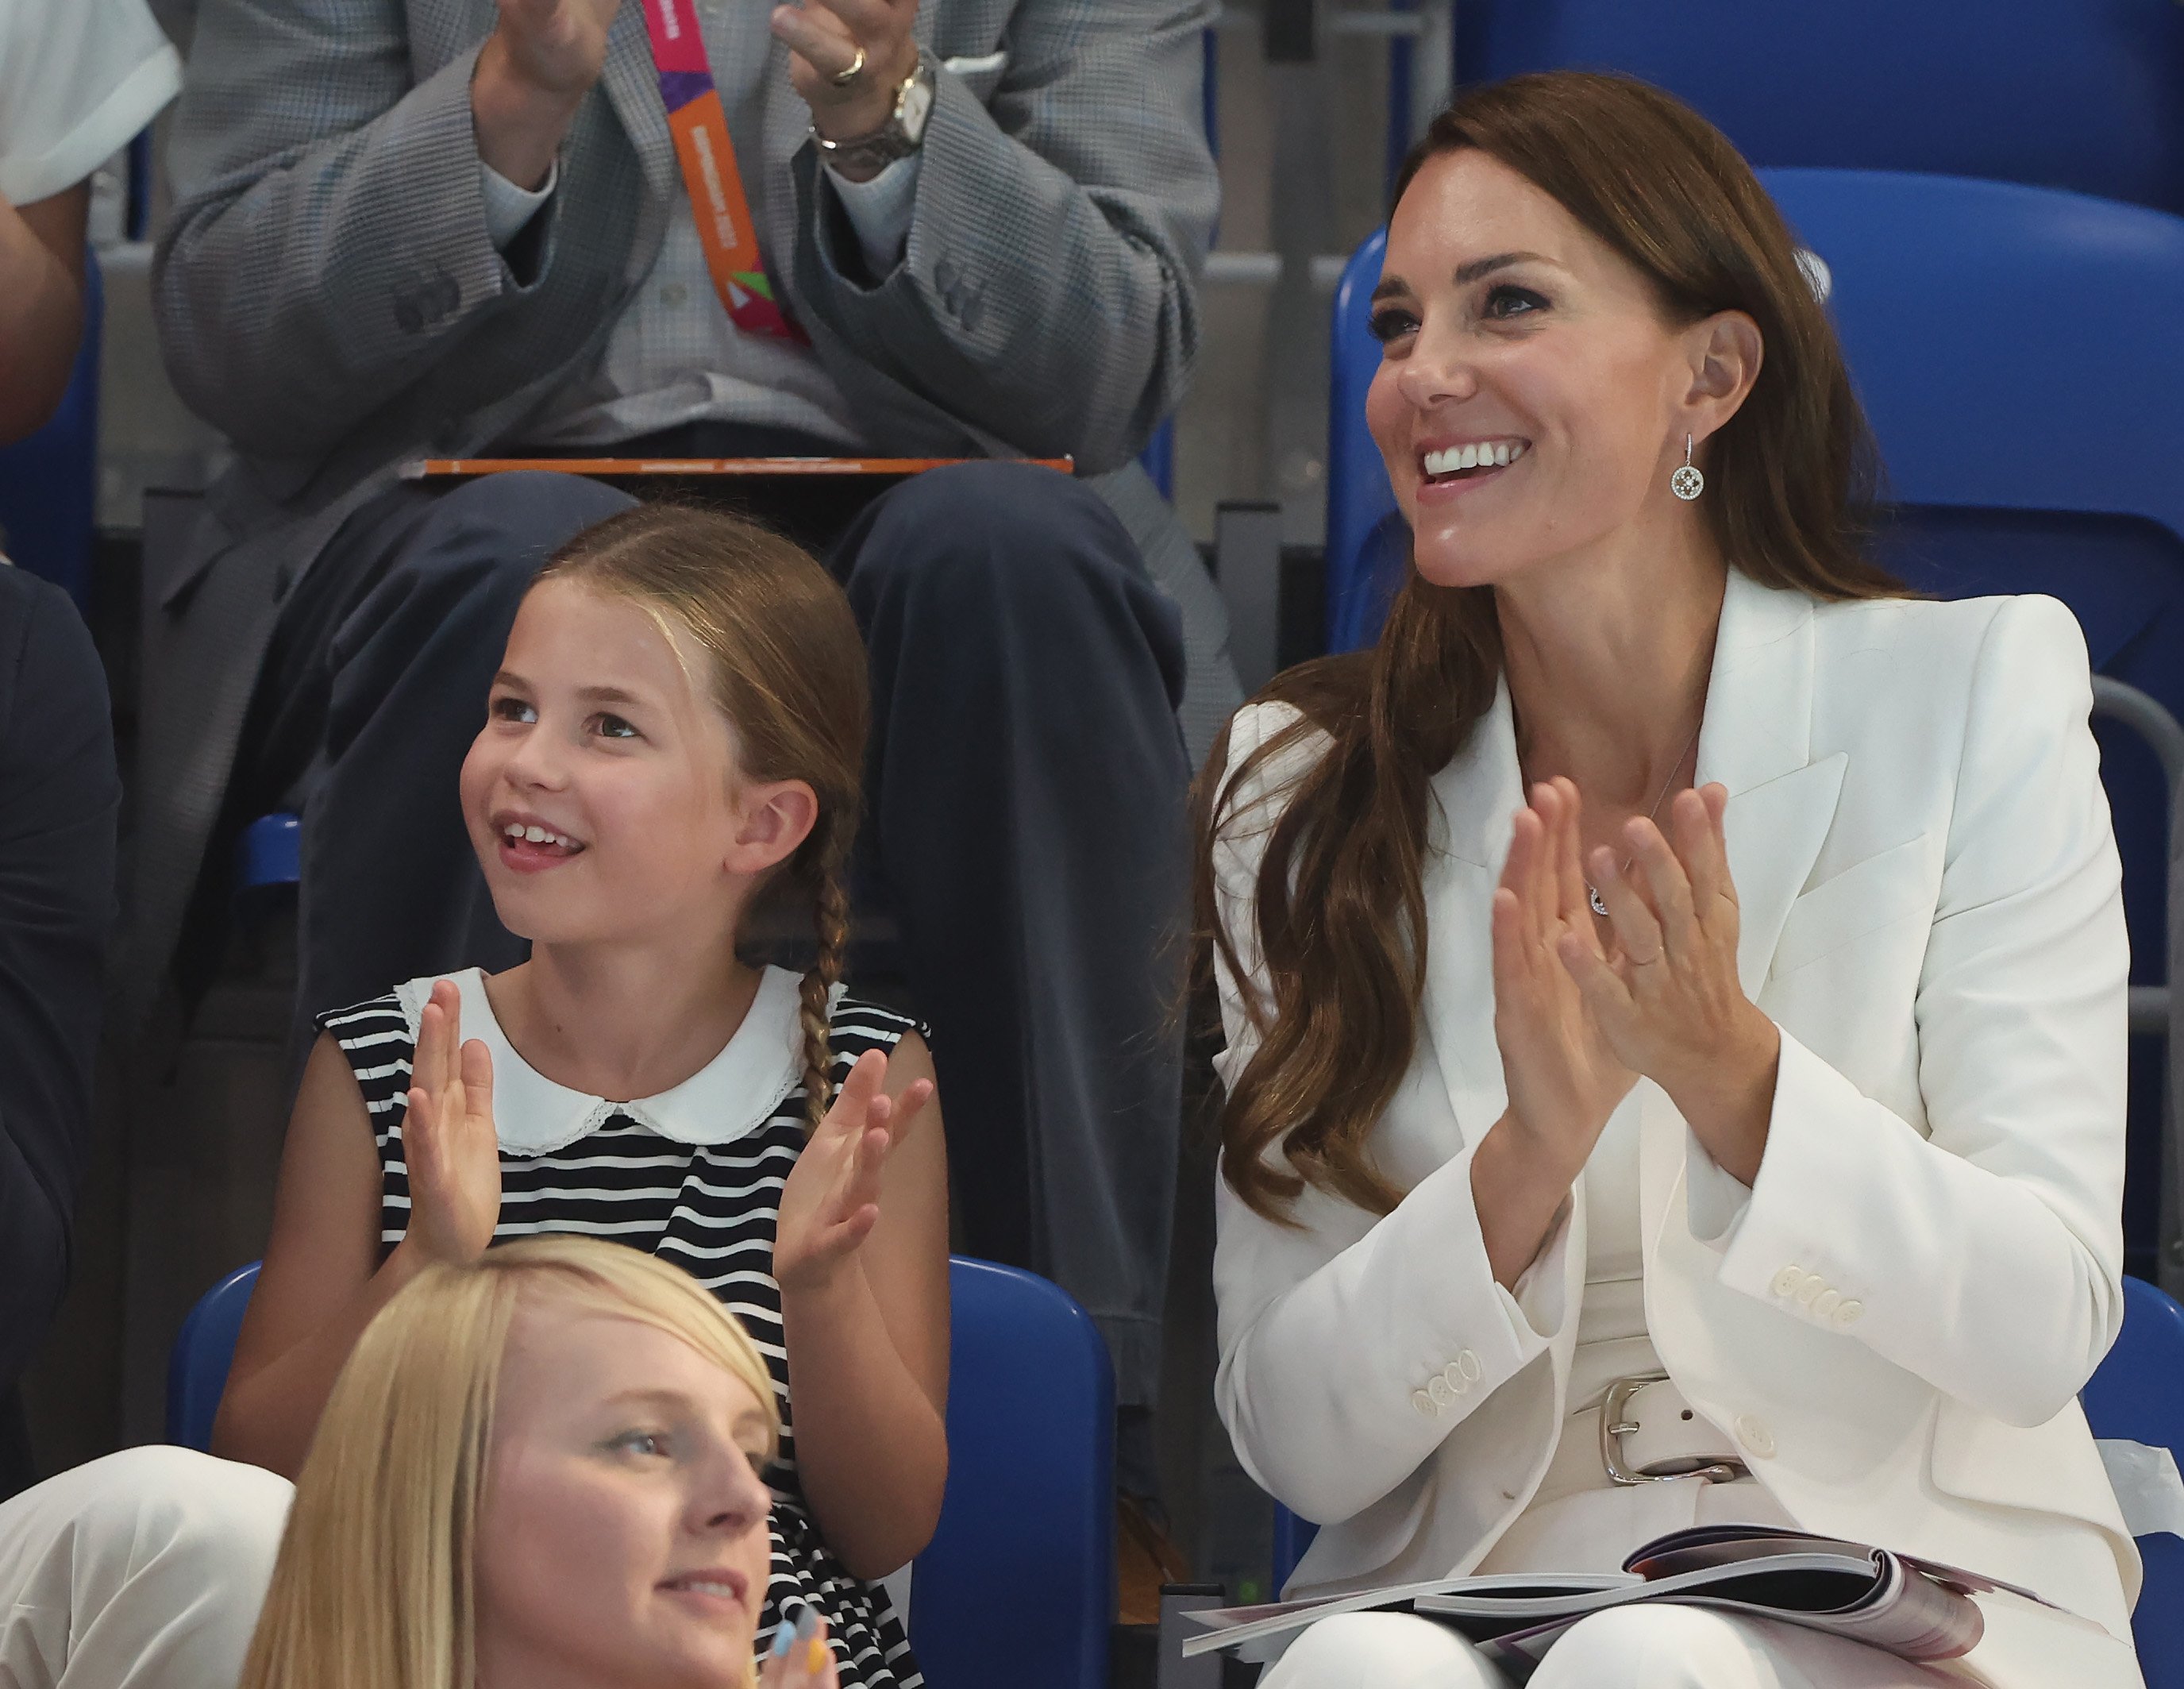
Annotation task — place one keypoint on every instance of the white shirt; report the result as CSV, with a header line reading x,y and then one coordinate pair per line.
x,y
673,355
78,79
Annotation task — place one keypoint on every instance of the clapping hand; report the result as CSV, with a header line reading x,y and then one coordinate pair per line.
x,y
831,1200
824,38
533,71
1665,993
1563,1076
449,1141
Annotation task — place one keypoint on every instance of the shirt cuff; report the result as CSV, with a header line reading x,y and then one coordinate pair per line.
x,y
880,211
508,207
1717,1199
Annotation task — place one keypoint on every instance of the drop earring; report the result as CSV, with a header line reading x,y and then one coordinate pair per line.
x,y
1687,482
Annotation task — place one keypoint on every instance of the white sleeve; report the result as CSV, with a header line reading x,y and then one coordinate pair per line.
x,y
78,80
508,207
880,212
1351,1345
1986,1257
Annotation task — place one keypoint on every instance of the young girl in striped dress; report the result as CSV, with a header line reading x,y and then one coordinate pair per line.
x,y
676,736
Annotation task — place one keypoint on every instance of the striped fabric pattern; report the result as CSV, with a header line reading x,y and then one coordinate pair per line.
x,y
710,1209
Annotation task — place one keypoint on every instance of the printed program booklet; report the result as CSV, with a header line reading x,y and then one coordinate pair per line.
x,y
1913,1608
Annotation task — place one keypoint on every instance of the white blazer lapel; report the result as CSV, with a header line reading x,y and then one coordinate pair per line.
x,y
1756,741
1478,794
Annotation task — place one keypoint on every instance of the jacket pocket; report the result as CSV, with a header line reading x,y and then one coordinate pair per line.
x,y
980,73
1865,897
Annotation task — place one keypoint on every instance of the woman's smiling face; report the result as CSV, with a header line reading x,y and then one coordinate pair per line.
x,y
1517,343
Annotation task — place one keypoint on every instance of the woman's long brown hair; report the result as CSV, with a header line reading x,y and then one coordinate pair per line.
x,y
1338,898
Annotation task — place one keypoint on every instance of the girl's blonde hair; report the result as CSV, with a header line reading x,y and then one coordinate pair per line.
x,y
788,671
375,1585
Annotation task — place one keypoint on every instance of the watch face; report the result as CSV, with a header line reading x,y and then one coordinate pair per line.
x,y
911,110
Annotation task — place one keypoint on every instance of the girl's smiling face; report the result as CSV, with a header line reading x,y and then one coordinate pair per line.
x,y
604,796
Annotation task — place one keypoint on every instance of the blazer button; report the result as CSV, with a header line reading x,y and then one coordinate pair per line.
x,y
1424,1404
1826,1303
1468,1363
1810,1290
1849,1313
1454,1376
1787,1281
1752,1431
1438,1388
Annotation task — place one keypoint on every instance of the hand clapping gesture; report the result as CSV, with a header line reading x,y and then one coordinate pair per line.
x,y
825,37
448,1142
831,1200
1565,1078
1665,993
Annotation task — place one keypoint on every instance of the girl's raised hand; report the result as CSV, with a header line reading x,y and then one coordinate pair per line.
x,y
799,1657
831,1200
1564,1075
449,1141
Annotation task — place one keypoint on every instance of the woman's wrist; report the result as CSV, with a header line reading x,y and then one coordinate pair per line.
x,y
1729,1100
1518,1184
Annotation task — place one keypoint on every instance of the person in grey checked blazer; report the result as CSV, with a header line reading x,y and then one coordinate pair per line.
x,y
411,228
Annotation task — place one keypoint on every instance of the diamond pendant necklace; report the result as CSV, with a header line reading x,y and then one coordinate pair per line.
x,y
1592,891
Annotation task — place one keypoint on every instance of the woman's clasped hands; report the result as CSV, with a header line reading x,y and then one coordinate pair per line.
x,y
1582,1009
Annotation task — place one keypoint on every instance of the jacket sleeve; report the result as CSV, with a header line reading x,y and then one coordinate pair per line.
x,y
329,242
1352,1344
1985,1256
60,799
1048,292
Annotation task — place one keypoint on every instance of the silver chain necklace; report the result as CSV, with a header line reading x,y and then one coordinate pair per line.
x,y
1592,891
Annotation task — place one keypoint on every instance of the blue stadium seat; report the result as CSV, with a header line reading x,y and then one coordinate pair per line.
x,y
2088,96
49,483
1018,1586
269,853
2019,354
2138,1394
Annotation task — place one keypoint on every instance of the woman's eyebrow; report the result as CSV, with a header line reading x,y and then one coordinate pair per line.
x,y
1466,274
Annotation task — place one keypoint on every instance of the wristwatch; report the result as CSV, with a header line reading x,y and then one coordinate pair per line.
x,y
865,155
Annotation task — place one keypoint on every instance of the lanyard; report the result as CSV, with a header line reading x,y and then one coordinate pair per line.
x,y
715,185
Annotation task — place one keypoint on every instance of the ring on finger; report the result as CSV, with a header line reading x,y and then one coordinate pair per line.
x,y
842,79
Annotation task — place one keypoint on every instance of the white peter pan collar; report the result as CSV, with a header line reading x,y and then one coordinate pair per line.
x,y
738,1091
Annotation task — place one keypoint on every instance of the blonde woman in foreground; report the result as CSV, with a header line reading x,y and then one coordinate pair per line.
x,y
540,1469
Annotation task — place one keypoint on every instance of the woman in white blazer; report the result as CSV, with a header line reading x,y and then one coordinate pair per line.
x,y
1774,1048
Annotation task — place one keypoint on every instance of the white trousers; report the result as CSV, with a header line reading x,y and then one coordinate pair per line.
x,y
143,1570
1656,1645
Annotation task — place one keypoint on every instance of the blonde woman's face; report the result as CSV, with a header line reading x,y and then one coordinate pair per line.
x,y
622,1541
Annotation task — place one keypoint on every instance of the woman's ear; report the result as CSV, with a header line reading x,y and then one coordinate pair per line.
x,y
772,820
1725,351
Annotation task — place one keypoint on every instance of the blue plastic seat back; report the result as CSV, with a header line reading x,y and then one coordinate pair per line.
x,y
2088,96
2138,1394
1368,541
1018,1586
49,481
2029,448
204,1349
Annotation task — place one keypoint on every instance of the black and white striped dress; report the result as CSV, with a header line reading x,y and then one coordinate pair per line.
x,y
692,1176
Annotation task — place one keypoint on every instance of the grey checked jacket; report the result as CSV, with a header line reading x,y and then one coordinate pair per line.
x,y
327,295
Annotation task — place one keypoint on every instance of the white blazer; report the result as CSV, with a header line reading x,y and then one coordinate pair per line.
x,y
1895,1321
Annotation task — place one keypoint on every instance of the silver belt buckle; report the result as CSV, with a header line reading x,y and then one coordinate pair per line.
x,y
1614,1428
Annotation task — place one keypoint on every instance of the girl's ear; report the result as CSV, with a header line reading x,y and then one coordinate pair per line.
x,y
772,820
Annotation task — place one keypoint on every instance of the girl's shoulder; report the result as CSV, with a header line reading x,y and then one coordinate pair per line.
x,y
856,1024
